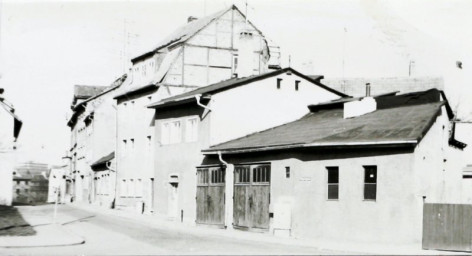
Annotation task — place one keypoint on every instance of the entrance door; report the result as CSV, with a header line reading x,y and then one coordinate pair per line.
x,y
211,195
173,201
251,196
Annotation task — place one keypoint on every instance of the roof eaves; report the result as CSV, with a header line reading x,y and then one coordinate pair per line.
x,y
181,101
311,145
137,90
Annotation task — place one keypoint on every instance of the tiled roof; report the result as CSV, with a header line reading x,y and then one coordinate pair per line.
x,y
185,32
390,125
234,82
87,91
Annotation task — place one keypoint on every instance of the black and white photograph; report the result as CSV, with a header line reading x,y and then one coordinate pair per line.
x,y
235,127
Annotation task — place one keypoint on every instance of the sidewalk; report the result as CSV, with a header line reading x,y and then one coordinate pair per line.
x,y
330,245
47,233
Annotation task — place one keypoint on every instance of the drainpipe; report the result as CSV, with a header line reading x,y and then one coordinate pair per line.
x,y
221,158
197,98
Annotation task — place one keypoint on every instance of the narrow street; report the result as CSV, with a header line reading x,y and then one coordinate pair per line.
x,y
113,235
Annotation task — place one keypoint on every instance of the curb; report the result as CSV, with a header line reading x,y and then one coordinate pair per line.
x,y
42,239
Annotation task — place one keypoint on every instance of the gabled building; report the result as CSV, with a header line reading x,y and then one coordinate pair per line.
x,y
187,188
10,127
349,170
30,183
203,52
93,134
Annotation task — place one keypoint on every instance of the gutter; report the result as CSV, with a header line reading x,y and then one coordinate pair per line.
x,y
311,145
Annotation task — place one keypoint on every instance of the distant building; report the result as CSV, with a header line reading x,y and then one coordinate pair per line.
x,y
30,183
189,190
350,170
205,51
93,134
58,177
10,127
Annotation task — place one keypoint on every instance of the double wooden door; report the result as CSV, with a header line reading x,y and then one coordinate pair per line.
x,y
211,195
251,196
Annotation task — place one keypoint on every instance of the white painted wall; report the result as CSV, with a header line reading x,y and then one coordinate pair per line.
x,y
260,105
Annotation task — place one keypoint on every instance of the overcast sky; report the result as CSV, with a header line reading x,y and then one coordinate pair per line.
x,y
48,47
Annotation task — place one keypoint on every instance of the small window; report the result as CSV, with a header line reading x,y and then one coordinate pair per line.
x,y
165,133
217,175
17,190
139,188
242,174
297,85
149,141
26,190
279,83
333,183
202,176
131,188
26,182
124,188
149,98
287,172
370,182
124,145
131,143
261,173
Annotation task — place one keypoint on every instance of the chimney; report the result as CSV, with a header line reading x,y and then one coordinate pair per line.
x,y
367,89
246,54
191,18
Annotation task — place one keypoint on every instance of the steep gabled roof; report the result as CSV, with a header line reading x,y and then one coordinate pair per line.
x,y
184,33
103,160
396,123
232,83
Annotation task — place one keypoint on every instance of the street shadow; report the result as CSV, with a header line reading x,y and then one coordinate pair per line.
x,y
13,224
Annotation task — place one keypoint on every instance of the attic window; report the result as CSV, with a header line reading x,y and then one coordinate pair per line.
x,y
297,84
279,83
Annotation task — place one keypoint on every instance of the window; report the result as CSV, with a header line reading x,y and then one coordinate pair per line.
x,y
261,173
131,143
149,142
139,188
17,190
252,173
287,172
171,132
202,176
297,85
370,182
123,147
235,66
26,182
149,98
124,188
242,174
26,190
191,130
279,83
333,183
131,190
165,133
211,176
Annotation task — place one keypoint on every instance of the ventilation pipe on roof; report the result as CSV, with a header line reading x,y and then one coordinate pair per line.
x,y
197,98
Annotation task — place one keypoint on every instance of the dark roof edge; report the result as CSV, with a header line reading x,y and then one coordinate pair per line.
x,y
145,88
312,145
257,78
122,78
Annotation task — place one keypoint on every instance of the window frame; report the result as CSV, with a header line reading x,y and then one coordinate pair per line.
x,y
329,184
366,184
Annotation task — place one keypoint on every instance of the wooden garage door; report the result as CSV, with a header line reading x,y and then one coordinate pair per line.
x,y
210,195
251,196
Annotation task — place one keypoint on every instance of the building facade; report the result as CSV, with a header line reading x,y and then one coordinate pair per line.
x,y
204,51
93,134
30,183
342,176
10,127
187,123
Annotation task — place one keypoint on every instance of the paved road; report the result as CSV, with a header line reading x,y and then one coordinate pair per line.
x,y
113,235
